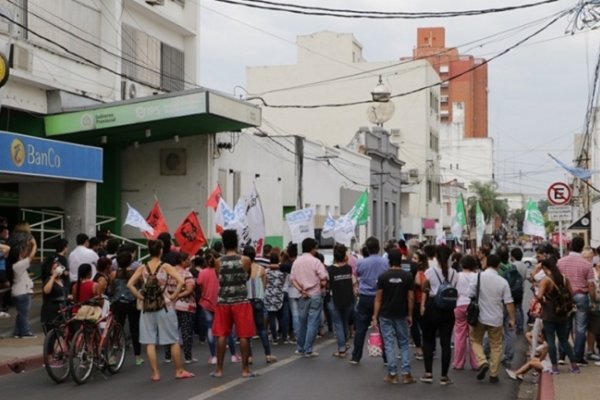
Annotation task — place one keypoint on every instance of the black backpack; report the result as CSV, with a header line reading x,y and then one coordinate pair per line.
x,y
562,300
447,295
154,299
120,292
515,282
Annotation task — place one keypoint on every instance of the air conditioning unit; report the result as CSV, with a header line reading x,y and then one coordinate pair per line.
x,y
20,58
404,177
413,173
395,133
133,90
156,2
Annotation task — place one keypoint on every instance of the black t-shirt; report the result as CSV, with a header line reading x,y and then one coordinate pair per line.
x,y
395,284
340,284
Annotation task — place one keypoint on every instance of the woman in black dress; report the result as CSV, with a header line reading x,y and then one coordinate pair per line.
x,y
54,295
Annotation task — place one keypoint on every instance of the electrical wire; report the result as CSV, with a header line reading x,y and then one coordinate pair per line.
x,y
345,13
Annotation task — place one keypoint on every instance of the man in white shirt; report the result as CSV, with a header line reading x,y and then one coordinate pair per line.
x,y
81,254
494,294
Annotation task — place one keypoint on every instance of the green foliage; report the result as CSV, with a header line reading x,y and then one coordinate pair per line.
x,y
491,206
519,216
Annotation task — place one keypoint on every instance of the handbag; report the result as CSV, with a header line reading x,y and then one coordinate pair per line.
x,y
375,344
473,307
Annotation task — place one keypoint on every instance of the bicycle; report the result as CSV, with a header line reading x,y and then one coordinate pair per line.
x,y
99,343
56,345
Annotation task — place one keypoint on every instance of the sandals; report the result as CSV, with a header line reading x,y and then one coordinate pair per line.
x,y
339,354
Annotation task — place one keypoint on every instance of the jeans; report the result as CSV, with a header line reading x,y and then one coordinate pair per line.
x,y
209,316
23,304
510,336
495,339
309,317
363,313
295,315
395,330
581,322
551,331
258,308
340,317
461,340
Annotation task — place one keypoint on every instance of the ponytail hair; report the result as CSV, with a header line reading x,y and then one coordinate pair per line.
x,y
442,254
84,271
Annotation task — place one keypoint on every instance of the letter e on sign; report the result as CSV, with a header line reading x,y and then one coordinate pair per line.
x,y
559,193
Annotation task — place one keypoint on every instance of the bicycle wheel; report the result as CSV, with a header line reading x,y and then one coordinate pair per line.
x,y
82,356
56,356
114,349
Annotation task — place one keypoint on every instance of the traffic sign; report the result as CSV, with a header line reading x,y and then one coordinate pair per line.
x,y
559,193
560,213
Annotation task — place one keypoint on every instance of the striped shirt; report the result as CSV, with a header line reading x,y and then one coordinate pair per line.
x,y
578,271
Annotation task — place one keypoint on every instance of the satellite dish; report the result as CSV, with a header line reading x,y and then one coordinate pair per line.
x,y
380,112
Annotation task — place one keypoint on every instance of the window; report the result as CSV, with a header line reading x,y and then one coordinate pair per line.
x,y
237,185
386,215
444,69
444,99
394,219
433,102
171,68
434,142
375,218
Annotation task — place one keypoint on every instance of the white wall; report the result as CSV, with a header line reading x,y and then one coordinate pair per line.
x,y
595,166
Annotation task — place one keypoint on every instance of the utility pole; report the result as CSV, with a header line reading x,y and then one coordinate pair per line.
x,y
299,150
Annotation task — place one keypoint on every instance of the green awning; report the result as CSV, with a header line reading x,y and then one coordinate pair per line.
x,y
154,118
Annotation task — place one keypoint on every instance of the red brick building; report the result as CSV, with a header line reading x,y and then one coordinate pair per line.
x,y
469,89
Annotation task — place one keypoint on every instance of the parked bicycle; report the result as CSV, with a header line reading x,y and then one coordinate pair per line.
x,y
99,343
56,345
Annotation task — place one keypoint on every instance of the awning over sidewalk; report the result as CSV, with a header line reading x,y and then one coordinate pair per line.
x,y
154,118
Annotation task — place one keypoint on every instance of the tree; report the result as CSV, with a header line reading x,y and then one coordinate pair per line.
x,y
519,216
543,206
491,205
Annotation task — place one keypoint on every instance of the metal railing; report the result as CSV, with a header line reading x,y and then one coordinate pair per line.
x,y
104,219
50,227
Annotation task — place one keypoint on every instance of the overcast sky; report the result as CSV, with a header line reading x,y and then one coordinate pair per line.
x,y
537,92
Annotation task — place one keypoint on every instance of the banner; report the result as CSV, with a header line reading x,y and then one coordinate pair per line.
x,y
360,210
135,219
189,235
328,227
157,221
301,224
344,230
479,225
533,223
225,218
213,198
255,220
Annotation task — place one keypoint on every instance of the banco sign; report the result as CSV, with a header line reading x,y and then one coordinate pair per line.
x,y
28,154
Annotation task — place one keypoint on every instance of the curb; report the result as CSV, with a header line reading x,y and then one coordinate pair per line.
x,y
22,364
546,387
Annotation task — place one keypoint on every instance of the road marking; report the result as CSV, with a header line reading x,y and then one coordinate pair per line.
x,y
263,371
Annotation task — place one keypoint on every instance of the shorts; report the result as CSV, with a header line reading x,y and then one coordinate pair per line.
x,y
240,314
159,327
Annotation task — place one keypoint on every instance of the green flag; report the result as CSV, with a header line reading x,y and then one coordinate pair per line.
x,y
360,210
479,224
533,224
460,217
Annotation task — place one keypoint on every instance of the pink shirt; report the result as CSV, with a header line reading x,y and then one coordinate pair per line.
x,y
578,271
209,287
308,271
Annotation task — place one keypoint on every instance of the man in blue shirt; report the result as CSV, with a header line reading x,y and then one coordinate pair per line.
x,y
367,272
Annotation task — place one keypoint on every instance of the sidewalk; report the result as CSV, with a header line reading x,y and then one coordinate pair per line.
x,y
567,386
22,353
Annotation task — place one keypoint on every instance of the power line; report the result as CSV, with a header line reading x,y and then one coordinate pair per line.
x,y
345,13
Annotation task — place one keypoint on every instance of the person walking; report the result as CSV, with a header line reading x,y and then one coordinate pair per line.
x,y
436,318
494,295
367,272
556,319
579,273
462,347
394,302
308,277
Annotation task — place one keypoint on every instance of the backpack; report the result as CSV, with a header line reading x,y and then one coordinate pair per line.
x,y
120,292
515,282
562,301
446,296
154,299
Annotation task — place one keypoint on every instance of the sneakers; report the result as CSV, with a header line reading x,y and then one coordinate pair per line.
x,y
427,379
4,314
483,369
191,360
574,369
593,357
298,353
445,381
29,336
407,379
311,354
513,375
597,363
393,379
555,370
212,360
353,361
561,361
419,356
236,359
139,361
168,361
583,363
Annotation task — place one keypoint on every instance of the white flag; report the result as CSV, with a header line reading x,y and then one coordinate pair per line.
x,y
135,219
225,218
301,224
533,223
344,230
328,227
255,220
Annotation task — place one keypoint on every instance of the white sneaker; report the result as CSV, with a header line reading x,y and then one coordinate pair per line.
x,y
4,314
192,360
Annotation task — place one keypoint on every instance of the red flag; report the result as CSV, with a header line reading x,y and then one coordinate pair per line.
x,y
213,198
189,235
157,221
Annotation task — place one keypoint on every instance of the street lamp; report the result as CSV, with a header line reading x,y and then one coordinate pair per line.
x,y
380,93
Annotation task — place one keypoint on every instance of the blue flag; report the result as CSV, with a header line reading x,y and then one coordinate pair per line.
x,y
581,173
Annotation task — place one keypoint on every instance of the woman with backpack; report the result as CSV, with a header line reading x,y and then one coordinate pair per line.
x,y
124,304
158,321
437,309
556,297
